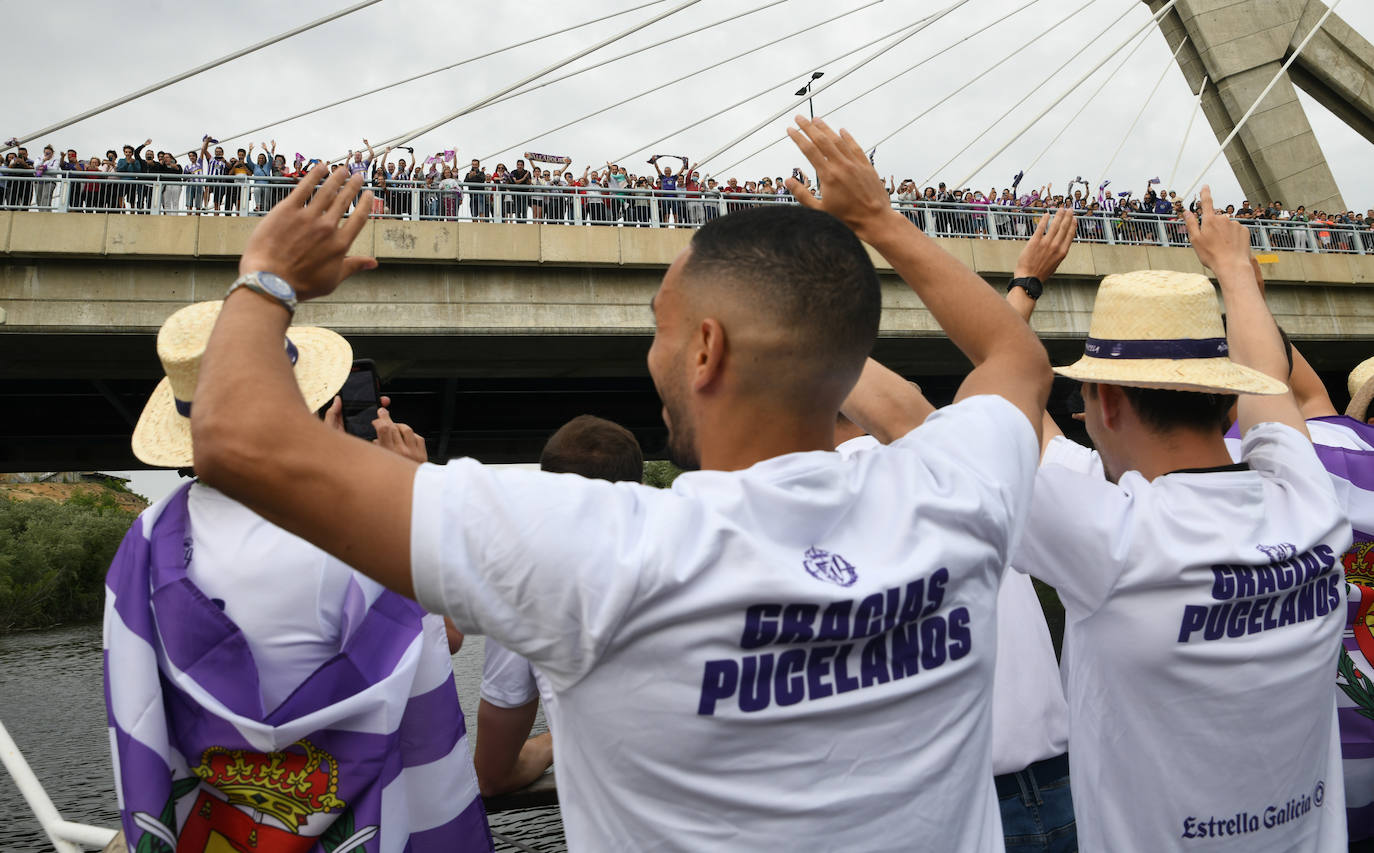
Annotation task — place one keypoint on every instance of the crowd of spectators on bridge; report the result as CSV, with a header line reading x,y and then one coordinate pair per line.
x,y
669,190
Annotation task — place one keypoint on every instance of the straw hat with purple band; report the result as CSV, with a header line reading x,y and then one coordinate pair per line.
x,y
1361,384
321,358
1159,329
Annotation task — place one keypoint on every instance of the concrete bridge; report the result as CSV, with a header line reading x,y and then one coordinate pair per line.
x,y
489,335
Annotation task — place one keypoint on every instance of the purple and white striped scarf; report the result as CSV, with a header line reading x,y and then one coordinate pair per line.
x,y
1345,447
369,753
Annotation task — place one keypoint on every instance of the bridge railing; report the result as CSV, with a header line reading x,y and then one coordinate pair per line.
x,y
243,195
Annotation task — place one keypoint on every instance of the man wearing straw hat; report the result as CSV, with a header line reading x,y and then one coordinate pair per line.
x,y
236,652
1345,446
785,650
1203,599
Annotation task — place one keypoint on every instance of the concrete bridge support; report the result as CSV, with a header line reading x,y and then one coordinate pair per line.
x,y
1239,45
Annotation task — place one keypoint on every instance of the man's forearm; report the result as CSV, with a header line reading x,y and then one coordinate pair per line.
x,y
977,320
246,388
1252,336
885,405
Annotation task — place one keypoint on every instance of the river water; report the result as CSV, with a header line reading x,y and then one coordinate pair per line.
x,y
53,703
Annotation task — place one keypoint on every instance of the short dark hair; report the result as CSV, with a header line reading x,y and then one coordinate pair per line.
x,y
1165,410
806,265
595,448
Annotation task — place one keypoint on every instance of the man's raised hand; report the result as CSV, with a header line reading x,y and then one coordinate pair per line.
x,y
854,192
301,239
1048,246
1221,243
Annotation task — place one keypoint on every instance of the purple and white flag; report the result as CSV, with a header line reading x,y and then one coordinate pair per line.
x,y
1345,447
369,753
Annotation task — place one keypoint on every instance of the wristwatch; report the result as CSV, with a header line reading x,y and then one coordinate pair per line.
x,y
1028,283
268,284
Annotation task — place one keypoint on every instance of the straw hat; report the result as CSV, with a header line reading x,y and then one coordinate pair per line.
x,y
163,435
1159,329
1361,384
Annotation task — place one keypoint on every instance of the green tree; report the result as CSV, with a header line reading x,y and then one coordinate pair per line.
x,y
660,473
53,558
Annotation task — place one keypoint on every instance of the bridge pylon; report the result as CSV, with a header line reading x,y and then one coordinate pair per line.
x,y
1239,47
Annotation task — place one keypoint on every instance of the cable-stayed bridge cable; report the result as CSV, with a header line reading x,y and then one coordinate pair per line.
x,y
638,50
426,128
459,64
1153,20
772,87
933,56
133,96
676,80
1145,37
1141,114
912,31
1183,145
939,170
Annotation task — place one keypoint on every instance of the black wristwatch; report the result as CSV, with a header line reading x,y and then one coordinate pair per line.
x,y
1028,283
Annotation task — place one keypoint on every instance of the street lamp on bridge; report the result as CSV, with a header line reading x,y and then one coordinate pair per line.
x,y
806,90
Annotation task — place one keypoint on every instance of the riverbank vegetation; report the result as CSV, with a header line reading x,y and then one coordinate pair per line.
x,y
54,554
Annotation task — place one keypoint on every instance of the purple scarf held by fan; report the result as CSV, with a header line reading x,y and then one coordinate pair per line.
x,y
350,761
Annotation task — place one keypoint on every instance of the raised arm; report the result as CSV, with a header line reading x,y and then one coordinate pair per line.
x,y
205,148
1314,401
1223,245
1010,361
886,405
254,438
371,155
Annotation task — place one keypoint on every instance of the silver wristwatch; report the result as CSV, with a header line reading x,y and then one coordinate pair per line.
x,y
268,284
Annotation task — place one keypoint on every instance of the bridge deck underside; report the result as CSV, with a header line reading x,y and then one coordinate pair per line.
x,y
487,397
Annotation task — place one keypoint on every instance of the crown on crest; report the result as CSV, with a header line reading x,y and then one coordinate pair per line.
x,y
290,785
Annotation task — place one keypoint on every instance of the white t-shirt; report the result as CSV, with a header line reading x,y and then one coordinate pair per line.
x,y
285,595
1204,613
1030,716
510,680
795,655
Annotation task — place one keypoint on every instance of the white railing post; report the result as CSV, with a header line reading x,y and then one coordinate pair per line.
x,y
32,791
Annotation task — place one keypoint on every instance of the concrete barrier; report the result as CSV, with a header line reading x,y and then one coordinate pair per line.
x,y
479,278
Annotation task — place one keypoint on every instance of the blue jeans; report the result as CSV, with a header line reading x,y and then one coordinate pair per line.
x,y
1037,808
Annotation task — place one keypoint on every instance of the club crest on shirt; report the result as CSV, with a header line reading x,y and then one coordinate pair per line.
x,y
831,568
1278,553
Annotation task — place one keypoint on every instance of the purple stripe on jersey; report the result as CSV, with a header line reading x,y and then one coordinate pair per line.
x,y
128,588
390,627
205,644
1356,466
141,772
1357,733
433,725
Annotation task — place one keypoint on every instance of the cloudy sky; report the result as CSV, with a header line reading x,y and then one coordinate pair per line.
x,y
119,47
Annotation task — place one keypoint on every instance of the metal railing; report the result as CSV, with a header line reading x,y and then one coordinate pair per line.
x,y
65,836
451,200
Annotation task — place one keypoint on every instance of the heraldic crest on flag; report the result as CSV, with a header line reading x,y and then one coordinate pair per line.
x,y
368,754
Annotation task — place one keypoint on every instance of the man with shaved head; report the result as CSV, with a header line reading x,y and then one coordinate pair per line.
x,y
787,649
